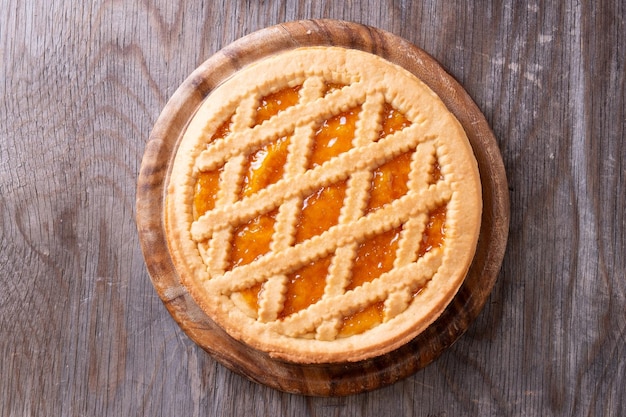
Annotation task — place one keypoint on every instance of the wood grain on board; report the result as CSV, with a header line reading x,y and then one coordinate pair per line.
x,y
83,331
337,378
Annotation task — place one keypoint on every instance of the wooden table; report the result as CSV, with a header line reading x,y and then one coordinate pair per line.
x,y
82,330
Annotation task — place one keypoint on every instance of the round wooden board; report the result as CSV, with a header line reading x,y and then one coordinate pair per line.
x,y
325,379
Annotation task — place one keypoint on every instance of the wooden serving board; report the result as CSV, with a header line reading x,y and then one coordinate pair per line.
x,y
326,379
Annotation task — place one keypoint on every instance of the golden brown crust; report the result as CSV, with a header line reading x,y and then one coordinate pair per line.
x,y
200,248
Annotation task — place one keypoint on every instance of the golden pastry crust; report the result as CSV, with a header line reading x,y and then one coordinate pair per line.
x,y
413,293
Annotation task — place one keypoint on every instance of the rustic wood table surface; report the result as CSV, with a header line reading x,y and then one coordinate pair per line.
x,y
82,330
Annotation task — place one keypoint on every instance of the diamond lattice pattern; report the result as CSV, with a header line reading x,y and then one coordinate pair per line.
x,y
342,206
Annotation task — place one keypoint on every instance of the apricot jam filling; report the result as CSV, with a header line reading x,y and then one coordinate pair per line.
x,y
389,181
252,239
265,166
374,257
334,137
206,188
393,121
274,103
362,320
320,210
434,231
207,182
305,286
330,87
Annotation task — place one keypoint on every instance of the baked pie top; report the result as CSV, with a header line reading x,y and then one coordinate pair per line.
x,y
323,205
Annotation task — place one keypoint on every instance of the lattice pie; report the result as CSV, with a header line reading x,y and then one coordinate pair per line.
x,y
323,206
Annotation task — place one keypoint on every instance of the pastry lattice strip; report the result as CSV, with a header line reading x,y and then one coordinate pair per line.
x,y
332,308
338,168
239,141
272,297
228,211
227,194
339,273
273,263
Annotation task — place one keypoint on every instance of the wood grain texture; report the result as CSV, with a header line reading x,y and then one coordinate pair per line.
x,y
335,379
82,329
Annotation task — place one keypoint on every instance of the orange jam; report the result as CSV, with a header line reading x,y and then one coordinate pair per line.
x,y
207,183
265,166
434,232
334,137
305,286
435,173
320,210
374,257
330,87
250,241
393,121
362,320
206,187
389,181
272,104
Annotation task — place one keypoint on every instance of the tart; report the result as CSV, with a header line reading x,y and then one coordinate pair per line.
x,y
323,206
